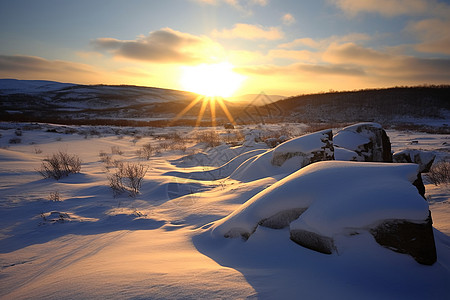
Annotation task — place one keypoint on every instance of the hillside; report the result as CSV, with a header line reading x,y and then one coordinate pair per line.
x,y
47,101
399,104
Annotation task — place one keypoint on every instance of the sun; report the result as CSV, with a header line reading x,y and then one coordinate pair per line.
x,y
211,80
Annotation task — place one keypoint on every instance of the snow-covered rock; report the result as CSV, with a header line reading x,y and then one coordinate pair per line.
x,y
345,154
368,140
310,148
329,199
424,159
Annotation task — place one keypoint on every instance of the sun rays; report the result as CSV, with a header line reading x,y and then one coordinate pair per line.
x,y
212,82
205,101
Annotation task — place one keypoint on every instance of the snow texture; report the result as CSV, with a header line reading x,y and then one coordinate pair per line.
x,y
336,196
158,245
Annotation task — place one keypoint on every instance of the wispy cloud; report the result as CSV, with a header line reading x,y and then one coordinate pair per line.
x,y
434,35
249,32
32,67
244,6
295,55
391,8
288,19
163,46
301,69
350,53
24,63
323,43
386,66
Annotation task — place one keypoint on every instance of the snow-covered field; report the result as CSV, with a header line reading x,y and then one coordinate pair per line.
x,y
73,238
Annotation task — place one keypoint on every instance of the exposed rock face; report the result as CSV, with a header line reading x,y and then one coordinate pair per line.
x,y
424,159
282,219
368,140
313,241
317,146
415,239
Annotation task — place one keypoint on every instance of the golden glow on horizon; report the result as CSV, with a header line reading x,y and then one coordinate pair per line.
x,y
212,106
211,80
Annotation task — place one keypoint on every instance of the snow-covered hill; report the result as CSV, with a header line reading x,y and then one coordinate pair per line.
x,y
43,100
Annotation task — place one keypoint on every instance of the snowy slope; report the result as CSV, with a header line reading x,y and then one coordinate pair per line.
x,y
13,86
158,245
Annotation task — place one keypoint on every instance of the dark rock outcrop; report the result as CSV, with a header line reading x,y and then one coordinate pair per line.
x,y
424,159
368,140
415,239
313,241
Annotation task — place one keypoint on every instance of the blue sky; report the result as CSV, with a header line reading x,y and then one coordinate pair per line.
x,y
280,47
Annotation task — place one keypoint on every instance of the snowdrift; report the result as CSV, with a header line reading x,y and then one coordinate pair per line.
x,y
328,199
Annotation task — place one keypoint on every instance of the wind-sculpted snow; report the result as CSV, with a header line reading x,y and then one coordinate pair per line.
x,y
331,198
75,237
221,172
287,157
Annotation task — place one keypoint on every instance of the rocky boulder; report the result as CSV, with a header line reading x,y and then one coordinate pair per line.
x,y
424,159
328,200
368,140
313,147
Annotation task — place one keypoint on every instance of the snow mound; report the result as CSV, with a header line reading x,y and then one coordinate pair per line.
x,y
287,157
329,199
221,172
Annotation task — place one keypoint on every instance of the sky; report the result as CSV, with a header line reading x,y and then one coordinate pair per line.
x,y
282,47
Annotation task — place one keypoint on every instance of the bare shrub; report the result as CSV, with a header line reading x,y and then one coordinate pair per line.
x,y
116,150
115,183
60,165
234,137
173,145
146,151
210,137
128,177
15,140
439,172
37,150
106,159
55,197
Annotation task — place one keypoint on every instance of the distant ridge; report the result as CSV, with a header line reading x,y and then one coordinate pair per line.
x,y
397,104
49,101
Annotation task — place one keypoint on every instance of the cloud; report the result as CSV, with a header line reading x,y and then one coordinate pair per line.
x,y
350,53
349,65
385,66
297,55
391,8
324,43
288,19
434,35
301,69
249,32
34,64
164,46
33,67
